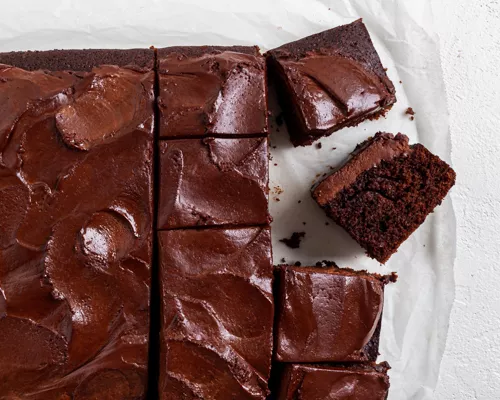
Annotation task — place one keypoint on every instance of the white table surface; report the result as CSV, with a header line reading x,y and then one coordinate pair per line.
x,y
470,46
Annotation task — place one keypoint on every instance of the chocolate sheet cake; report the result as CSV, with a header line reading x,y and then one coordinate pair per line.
x,y
76,143
217,313
212,90
328,314
384,192
328,81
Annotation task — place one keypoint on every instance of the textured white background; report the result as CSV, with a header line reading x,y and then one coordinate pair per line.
x,y
470,48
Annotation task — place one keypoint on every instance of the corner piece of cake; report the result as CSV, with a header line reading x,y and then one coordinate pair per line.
x,y
328,314
323,381
384,192
212,90
328,81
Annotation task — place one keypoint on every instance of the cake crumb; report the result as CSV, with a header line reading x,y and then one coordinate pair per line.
x,y
294,241
300,201
283,260
303,223
298,263
274,147
275,164
327,223
277,199
278,190
410,111
334,148
319,145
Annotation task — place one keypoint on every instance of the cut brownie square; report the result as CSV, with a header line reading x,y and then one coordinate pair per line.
x,y
213,182
76,144
329,81
217,313
348,382
384,192
212,90
328,314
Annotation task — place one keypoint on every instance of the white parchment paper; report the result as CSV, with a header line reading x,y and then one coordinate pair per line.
x,y
417,308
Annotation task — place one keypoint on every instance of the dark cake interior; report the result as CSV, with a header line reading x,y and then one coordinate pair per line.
x,y
385,192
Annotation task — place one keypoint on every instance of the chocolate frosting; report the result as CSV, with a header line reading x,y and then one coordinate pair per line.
x,y
330,89
217,313
328,81
213,182
320,382
382,147
219,92
75,233
326,314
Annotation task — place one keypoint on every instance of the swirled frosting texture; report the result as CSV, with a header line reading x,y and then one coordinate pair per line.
x,y
330,80
320,382
212,90
326,315
75,233
217,307
213,182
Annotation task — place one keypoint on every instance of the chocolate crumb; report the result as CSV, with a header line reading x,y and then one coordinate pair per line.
x,y
410,111
294,241
275,164
300,201
274,147
327,223
283,260
304,223
412,118
319,145
334,148
298,263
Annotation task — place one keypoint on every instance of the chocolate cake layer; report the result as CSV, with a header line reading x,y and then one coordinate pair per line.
x,y
328,314
320,382
212,90
76,226
79,60
213,182
384,192
328,81
217,313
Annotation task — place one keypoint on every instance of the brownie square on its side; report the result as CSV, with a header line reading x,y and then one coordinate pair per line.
x,y
384,192
328,81
212,90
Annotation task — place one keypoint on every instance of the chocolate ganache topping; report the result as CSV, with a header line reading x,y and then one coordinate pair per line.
x,y
327,314
382,147
213,182
217,308
213,92
320,382
75,233
330,89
